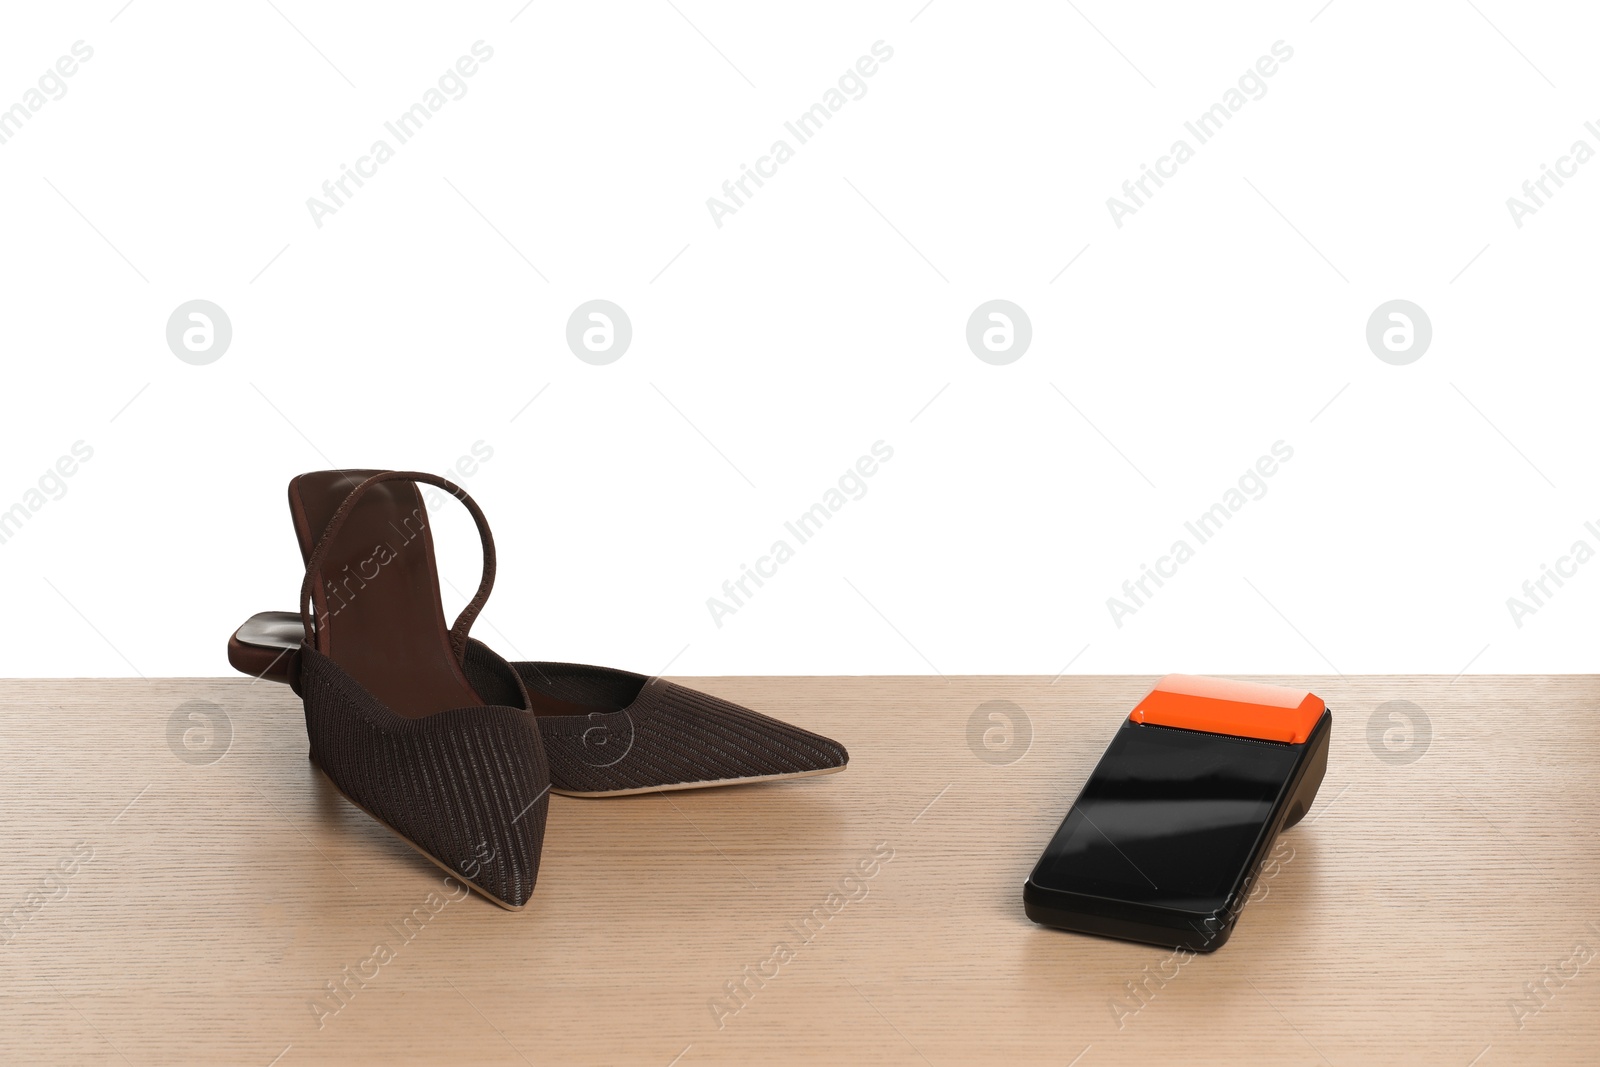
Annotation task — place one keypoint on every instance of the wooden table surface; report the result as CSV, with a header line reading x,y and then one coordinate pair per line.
x,y
184,893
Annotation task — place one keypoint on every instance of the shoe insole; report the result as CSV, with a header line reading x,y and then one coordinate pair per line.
x,y
313,499
377,598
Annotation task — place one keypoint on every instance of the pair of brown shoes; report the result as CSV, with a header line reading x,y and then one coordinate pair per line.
x,y
445,743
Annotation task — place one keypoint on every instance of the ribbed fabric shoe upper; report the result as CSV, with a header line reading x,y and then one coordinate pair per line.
x,y
661,735
467,786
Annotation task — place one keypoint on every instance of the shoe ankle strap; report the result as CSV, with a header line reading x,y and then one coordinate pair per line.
x,y
469,614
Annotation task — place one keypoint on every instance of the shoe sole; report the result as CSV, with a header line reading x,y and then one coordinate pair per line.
x,y
424,853
712,783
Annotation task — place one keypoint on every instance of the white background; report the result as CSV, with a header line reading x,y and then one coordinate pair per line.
x,y
827,314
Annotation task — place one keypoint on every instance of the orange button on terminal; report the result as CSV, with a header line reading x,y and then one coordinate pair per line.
x,y
1241,709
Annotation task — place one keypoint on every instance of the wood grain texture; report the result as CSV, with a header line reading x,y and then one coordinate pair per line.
x,y
1406,916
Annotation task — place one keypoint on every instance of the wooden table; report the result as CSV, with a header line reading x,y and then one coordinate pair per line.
x,y
195,907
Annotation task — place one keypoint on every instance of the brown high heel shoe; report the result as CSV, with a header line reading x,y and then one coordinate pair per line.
x,y
456,769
